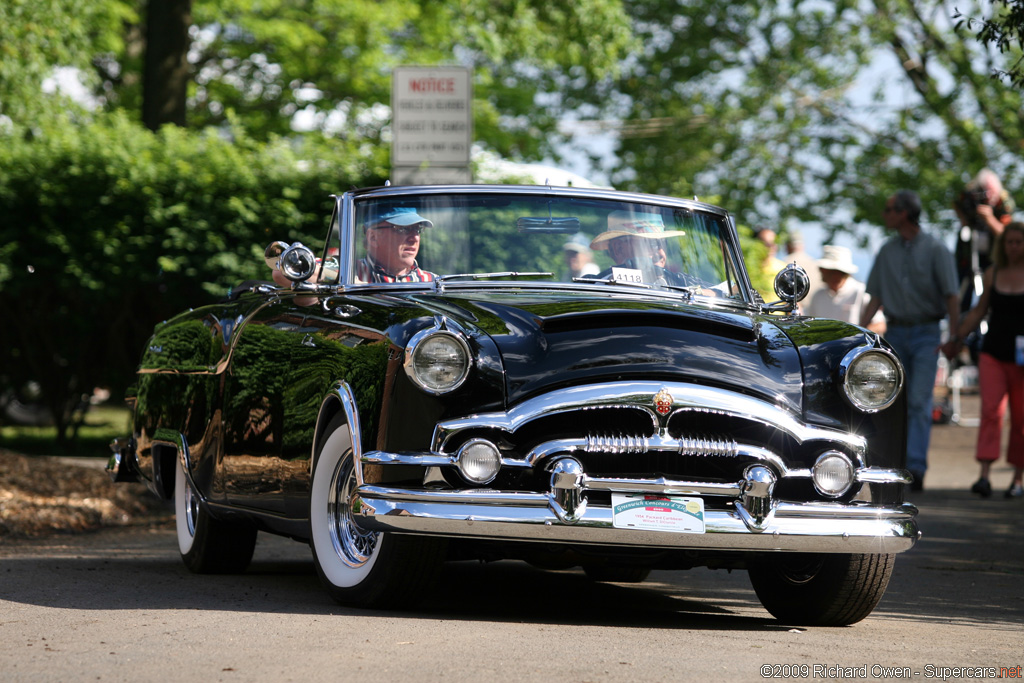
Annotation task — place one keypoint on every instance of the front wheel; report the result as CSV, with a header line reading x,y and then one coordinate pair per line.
x,y
821,590
209,545
358,567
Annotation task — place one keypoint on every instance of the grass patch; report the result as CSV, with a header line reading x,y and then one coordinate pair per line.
x,y
102,424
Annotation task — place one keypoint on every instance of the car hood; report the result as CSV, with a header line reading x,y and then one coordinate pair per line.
x,y
551,339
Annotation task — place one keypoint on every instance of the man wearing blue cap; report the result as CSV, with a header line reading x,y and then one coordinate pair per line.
x,y
392,243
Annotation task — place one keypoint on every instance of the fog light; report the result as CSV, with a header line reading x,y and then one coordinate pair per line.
x,y
832,474
479,461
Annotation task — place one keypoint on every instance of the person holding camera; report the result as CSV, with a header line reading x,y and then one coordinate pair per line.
x,y
984,209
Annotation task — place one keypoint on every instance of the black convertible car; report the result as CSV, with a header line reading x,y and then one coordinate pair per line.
x,y
436,384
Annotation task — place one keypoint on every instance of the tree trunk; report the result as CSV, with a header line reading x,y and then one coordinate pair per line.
x,y
166,70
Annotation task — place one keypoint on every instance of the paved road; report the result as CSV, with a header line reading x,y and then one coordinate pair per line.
x,y
119,606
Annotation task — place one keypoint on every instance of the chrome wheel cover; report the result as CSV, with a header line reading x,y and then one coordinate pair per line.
x,y
353,546
191,509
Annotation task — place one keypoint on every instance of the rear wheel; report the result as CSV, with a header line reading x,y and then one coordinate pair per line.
x,y
821,590
209,545
359,567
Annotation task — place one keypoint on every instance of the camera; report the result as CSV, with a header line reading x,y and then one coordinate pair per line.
x,y
968,201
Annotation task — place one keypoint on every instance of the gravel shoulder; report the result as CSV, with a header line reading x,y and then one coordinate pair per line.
x,y
43,496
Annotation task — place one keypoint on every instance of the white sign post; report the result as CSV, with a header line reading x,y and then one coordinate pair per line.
x,y
432,125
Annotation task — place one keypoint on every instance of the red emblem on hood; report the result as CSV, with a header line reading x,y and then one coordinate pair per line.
x,y
663,402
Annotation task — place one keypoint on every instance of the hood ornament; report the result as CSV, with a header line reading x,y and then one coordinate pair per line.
x,y
663,402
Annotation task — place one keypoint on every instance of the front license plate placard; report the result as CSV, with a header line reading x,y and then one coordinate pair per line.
x,y
658,513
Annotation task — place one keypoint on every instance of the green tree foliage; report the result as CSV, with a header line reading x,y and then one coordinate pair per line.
x,y
108,228
1004,30
38,35
331,60
756,103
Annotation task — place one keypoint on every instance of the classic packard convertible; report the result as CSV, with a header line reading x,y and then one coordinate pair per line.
x,y
437,383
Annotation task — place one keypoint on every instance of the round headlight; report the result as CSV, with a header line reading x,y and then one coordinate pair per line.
x,y
437,361
832,474
479,461
872,380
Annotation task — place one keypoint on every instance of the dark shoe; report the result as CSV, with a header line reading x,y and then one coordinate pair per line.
x,y
1015,491
982,487
918,483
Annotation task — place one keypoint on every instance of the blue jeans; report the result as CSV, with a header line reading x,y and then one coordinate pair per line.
x,y
917,346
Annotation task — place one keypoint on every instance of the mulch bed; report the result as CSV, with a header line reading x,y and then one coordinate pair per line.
x,y
41,496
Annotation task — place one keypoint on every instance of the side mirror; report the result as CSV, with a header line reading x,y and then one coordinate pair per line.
x,y
792,284
296,262
272,255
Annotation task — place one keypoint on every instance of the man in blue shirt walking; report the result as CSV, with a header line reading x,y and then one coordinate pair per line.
x,y
914,282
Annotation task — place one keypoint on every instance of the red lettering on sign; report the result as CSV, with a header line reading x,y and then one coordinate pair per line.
x,y
433,85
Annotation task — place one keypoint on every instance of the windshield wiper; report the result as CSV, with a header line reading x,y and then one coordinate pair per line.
x,y
606,281
493,276
690,291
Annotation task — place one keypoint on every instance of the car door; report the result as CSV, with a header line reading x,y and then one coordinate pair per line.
x,y
286,360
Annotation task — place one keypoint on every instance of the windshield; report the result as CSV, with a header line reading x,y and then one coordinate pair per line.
x,y
580,240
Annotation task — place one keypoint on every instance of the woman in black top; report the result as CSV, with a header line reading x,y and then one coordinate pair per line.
x,y
1001,361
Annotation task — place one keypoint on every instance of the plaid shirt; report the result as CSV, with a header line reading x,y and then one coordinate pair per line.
x,y
368,270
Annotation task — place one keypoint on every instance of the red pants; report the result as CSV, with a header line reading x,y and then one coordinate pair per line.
x,y
997,382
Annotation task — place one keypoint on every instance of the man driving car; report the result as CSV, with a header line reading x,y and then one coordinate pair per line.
x,y
392,244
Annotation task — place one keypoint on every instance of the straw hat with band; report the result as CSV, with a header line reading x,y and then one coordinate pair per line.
x,y
629,224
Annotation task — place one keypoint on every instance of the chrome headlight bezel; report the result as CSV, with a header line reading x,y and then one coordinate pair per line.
x,y
850,375
423,342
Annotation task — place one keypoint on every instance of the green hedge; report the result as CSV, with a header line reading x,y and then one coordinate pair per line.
x,y
107,228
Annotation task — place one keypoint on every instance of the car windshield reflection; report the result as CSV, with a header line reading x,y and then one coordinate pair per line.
x,y
573,240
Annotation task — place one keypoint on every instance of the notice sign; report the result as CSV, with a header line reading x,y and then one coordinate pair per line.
x,y
431,116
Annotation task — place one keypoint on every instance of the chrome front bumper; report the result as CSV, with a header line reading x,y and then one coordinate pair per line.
x,y
818,527
741,515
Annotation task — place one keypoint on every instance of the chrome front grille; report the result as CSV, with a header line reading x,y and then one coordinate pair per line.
x,y
624,430
708,447
625,444
616,444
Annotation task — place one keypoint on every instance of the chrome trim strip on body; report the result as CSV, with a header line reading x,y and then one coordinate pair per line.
x,y
341,393
866,475
550,449
640,396
878,475
177,440
527,517
662,486
492,497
